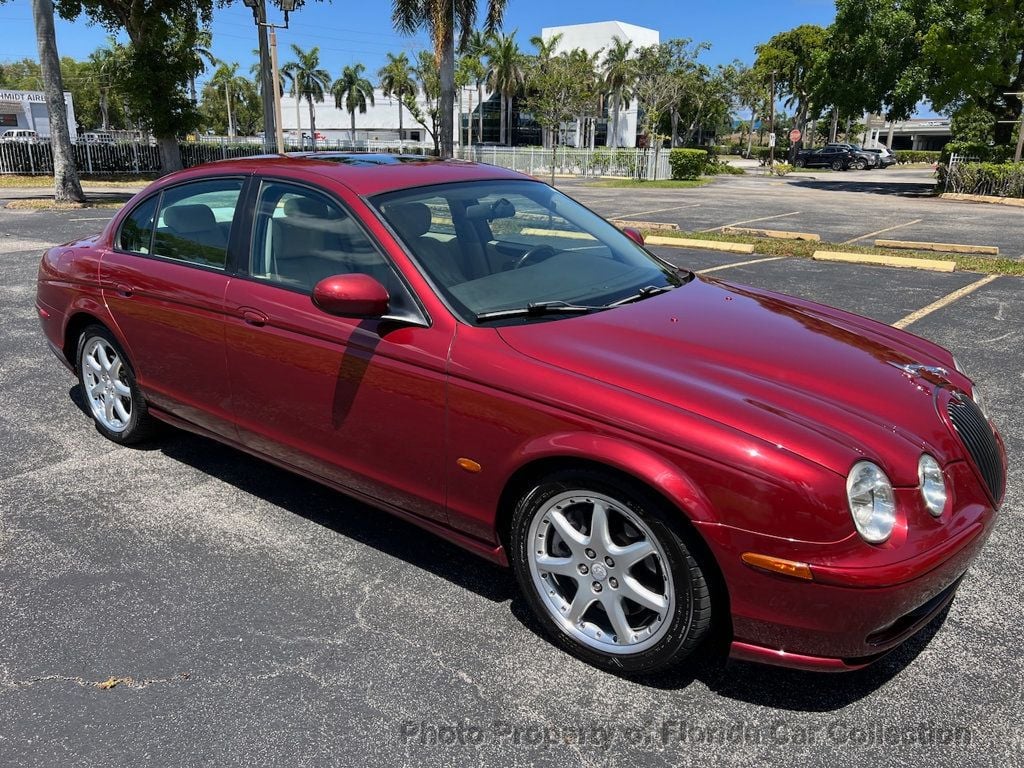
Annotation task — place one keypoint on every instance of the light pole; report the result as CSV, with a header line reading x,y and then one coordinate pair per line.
x,y
269,73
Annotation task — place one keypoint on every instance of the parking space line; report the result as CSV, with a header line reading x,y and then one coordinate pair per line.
x,y
93,218
738,264
887,229
945,301
751,221
656,210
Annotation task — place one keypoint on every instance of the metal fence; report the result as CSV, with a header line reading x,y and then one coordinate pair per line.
x,y
538,161
140,157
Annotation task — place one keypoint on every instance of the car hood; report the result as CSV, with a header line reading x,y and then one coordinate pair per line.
x,y
829,385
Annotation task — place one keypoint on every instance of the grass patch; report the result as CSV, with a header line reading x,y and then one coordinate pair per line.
x,y
805,249
52,205
660,184
20,182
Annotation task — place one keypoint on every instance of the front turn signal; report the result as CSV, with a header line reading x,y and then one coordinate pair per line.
x,y
778,565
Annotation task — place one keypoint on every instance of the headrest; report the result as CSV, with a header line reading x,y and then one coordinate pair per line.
x,y
190,218
410,219
305,206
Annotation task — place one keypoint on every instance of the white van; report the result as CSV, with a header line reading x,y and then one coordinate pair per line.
x,y
21,135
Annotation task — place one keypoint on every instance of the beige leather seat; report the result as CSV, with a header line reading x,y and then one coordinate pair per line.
x,y
192,234
412,220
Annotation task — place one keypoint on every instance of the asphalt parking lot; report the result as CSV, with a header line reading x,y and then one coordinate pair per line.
x,y
255,618
847,207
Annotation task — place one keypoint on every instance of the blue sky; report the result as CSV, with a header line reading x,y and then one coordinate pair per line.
x,y
349,32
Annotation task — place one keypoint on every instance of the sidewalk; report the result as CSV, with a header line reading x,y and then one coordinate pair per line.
x,y
95,194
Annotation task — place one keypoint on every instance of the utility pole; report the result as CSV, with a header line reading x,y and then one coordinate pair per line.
x,y
1020,131
771,125
269,82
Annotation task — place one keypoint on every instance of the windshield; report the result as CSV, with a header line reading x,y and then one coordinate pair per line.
x,y
510,249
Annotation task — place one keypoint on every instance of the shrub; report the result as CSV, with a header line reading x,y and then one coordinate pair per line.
x,y
687,163
904,156
781,169
722,167
997,179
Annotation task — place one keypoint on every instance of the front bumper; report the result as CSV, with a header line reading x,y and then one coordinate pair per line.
x,y
844,618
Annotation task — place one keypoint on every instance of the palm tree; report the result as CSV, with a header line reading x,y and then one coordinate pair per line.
x,y
476,46
545,50
66,186
351,91
505,75
396,80
203,54
619,76
443,19
227,78
104,63
308,81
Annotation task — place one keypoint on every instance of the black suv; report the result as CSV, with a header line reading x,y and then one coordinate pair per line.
x,y
834,156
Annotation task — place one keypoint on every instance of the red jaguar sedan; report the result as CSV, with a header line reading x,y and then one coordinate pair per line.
x,y
653,453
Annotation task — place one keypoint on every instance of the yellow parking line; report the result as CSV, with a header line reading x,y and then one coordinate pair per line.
x,y
751,221
739,264
945,301
887,229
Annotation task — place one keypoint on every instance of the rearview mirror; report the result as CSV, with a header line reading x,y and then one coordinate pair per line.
x,y
633,234
499,209
355,295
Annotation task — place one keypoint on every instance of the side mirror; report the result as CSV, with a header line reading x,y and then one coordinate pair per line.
x,y
634,235
355,295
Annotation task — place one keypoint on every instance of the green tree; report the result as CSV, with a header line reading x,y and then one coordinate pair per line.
x,y
794,57
309,81
231,86
396,79
444,20
66,186
505,74
558,89
475,50
619,68
159,60
352,91
430,85
658,87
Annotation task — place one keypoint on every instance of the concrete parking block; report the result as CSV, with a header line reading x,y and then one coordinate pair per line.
x,y
704,245
910,245
935,265
777,234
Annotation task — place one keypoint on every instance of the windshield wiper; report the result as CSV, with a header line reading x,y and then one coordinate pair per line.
x,y
536,309
646,292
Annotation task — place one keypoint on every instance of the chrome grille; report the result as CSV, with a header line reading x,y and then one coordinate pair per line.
x,y
976,434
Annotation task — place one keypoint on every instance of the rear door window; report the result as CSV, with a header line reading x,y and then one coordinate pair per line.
x,y
194,222
136,235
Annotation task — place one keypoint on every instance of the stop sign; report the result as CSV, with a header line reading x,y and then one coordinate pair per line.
x,y
794,135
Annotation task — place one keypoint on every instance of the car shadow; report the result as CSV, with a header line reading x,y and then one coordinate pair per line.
x,y
774,687
880,187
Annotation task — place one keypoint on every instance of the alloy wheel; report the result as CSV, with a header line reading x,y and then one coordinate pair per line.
x,y
104,377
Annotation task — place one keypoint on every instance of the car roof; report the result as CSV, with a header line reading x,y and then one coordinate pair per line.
x,y
365,173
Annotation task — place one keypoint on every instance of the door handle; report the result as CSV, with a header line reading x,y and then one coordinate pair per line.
x,y
253,317
124,290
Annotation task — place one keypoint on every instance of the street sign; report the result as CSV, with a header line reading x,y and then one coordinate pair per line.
x,y
794,135
771,139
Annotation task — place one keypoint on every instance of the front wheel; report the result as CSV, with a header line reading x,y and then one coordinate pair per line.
x,y
108,384
860,165
837,165
607,573
800,162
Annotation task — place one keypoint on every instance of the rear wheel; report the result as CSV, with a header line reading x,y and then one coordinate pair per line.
x,y
800,162
608,573
837,165
108,385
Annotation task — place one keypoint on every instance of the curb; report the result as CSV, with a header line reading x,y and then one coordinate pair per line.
x,y
1014,201
987,250
620,223
934,265
706,245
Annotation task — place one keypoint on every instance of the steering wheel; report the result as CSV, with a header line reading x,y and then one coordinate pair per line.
x,y
534,253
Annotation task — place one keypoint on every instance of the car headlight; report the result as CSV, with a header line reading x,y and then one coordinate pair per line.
x,y
872,502
933,484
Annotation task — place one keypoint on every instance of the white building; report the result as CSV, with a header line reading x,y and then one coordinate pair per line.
x,y
380,123
27,109
596,37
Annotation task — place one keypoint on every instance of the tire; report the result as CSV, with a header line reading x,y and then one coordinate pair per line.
x,y
800,163
860,165
837,165
112,396
553,571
